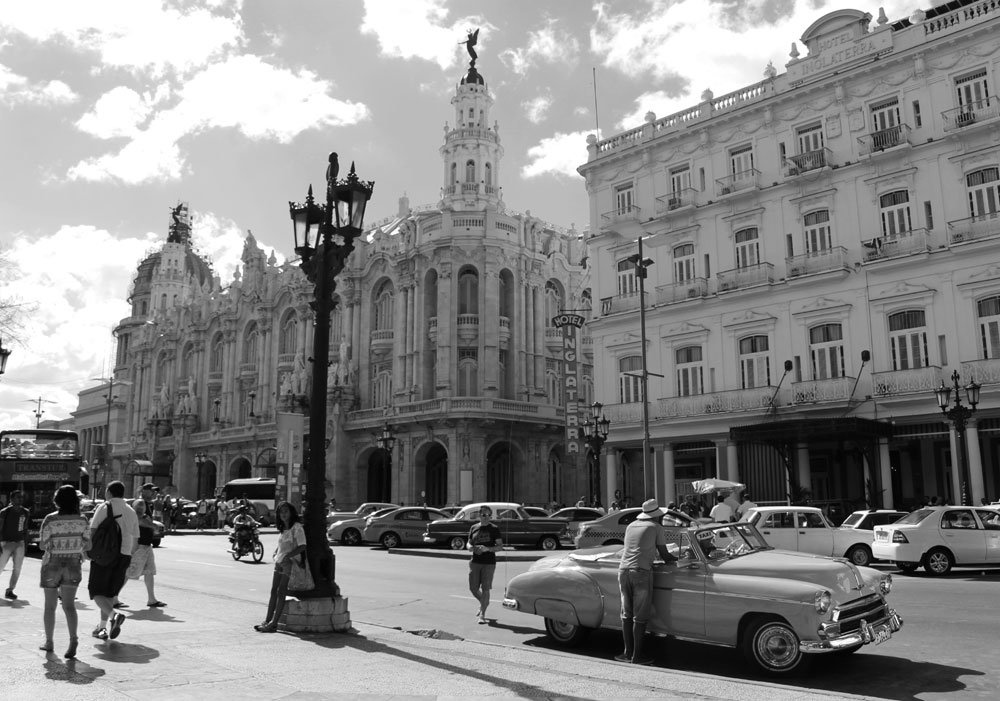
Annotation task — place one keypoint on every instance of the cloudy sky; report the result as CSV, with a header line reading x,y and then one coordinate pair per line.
x,y
113,111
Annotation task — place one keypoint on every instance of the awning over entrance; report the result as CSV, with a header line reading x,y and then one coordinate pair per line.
x,y
147,468
849,428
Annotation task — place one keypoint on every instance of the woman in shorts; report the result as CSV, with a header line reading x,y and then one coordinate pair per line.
x,y
291,544
143,563
64,536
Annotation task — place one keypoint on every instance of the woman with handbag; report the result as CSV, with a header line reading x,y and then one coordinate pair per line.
x,y
64,536
289,562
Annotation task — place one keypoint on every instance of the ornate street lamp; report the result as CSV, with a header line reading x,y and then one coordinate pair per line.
x,y
595,432
641,264
199,460
253,395
959,416
324,237
386,441
218,403
4,354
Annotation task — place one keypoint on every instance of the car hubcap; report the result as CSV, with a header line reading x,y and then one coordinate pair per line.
x,y
938,562
777,647
563,631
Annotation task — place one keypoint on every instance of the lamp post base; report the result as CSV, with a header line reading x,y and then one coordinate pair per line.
x,y
327,615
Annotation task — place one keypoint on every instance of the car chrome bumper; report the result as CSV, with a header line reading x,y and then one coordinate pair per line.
x,y
875,632
509,603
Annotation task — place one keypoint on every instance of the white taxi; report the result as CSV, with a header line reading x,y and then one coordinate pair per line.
x,y
939,538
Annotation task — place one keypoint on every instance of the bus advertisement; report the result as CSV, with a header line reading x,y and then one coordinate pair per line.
x,y
37,462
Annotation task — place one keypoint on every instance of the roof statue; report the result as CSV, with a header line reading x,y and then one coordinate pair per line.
x,y
470,42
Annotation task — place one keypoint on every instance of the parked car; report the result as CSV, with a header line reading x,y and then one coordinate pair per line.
x,y
941,537
536,512
517,528
402,526
610,529
450,510
728,588
807,530
575,516
365,510
347,531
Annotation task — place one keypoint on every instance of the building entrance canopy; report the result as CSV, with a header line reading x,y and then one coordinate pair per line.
x,y
807,430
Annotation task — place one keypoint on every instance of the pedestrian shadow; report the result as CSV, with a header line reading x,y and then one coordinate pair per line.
x,y
363,644
520,630
70,671
155,614
114,651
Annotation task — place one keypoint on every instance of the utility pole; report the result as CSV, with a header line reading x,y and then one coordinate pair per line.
x,y
38,409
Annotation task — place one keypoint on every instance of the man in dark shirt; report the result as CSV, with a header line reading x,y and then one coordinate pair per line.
x,y
484,542
14,522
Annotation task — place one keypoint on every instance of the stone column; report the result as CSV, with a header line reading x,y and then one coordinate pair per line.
x,y
669,476
732,461
976,487
611,473
956,466
885,470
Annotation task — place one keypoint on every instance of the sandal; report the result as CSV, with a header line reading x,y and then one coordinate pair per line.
x,y
71,651
47,647
156,605
266,628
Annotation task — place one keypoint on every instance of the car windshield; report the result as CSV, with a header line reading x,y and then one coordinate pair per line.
x,y
720,542
852,520
914,517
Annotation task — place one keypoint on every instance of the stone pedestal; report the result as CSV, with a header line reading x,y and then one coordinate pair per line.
x,y
315,615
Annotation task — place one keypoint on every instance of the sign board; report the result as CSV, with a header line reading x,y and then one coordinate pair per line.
x,y
570,325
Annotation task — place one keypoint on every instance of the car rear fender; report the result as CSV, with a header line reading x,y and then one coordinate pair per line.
x,y
561,594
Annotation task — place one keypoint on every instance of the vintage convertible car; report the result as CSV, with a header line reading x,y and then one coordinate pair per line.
x,y
727,588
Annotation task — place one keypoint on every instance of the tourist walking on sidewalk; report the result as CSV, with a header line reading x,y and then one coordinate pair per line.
x,y
14,521
64,537
644,537
485,541
143,562
106,580
291,544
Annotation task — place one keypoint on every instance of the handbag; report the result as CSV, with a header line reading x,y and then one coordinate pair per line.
x,y
300,578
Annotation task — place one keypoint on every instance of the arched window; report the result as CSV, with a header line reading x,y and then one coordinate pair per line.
x,y
628,284
826,351
684,262
288,338
816,227
747,247
218,353
468,372
895,210
984,192
988,311
908,340
468,292
383,310
470,171
755,362
163,302
553,302
382,384
187,362
690,371
454,173
250,344
489,175
629,379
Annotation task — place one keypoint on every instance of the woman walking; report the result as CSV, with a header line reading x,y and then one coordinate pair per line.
x,y
143,562
291,544
64,536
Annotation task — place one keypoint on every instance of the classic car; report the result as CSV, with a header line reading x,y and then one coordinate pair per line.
x,y
941,537
610,529
574,516
517,528
348,530
402,526
363,511
727,588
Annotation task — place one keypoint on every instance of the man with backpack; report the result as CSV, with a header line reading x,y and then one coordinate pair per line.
x,y
114,531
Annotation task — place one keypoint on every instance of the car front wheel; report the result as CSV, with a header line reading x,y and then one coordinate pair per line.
x,y
549,543
773,647
456,543
860,555
938,562
390,540
352,536
566,634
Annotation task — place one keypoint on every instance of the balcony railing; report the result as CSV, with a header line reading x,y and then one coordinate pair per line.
x,y
695,288
896,382
976,112
248,368
715,402
985,372
738,182
286,360
620,215
621,303
810,160
885,139
742,278
382,335
817,262
836,389
676,200
984,226
905,243
468,320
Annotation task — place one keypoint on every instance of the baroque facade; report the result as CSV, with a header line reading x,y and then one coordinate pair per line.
x,y
825,250
442,332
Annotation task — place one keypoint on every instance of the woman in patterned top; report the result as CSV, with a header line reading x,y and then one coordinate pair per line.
x,y
65,536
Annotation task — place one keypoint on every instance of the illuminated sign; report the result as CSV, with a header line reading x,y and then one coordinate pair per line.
x,y
569,323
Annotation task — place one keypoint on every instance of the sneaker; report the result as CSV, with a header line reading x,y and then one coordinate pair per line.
x,y
115,625
623,657
100,633
482,618
10,595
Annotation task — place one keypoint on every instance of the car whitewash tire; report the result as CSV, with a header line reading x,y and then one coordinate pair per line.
x,y
773,647
566,634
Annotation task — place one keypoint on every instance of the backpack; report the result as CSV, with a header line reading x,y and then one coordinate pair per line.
x,y
106,540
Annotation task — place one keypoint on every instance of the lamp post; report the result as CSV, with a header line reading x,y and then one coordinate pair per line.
x,y
959,416
4,355
110,397
253,395
641,264
324,237
199,460
218,404
386,441
595,432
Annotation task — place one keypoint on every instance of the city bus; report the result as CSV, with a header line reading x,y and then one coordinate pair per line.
x,y
259,491
37,462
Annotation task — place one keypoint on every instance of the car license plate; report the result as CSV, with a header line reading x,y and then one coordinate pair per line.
x,y
880,634
881,535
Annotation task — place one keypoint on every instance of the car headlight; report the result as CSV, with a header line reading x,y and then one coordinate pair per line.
x,y
885,584
822,601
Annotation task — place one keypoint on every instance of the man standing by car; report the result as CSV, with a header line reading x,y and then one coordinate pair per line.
x,y
644,537
14,521
721,512
484,541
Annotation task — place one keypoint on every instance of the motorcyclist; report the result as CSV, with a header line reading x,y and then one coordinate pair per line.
x,y
244,526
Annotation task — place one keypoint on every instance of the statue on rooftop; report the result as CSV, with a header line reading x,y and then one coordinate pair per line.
x,y
470,42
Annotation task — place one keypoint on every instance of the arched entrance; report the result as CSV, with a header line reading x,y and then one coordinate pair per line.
x,y
241,469
501,466
436,476
379,477
206,479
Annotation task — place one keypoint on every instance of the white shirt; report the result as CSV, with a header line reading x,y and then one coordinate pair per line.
x,y
744,507
721,512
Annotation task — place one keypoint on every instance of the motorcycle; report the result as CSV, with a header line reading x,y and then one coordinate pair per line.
x,y
244,539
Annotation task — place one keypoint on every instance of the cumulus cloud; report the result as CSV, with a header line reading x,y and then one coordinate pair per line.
x,y
546,45
418,29
118,112
559,155
536,108
16,88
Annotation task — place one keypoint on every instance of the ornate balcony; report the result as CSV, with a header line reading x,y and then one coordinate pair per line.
x,y
978,112
805,162
621,219
714,403
745,181
885,140
906,243
676,200
381,341
900,382
248,369
286,360
696,288
432,329
985,372
836,389
468,328
817,262
504,331
980,228
621,303
742,278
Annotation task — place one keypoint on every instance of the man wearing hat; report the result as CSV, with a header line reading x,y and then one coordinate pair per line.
x,y
644,537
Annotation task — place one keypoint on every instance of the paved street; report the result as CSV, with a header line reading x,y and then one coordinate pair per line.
x,y
416,635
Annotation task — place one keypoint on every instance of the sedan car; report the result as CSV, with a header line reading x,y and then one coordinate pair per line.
x,y
402,526
610,529
939,538
348,530
575,516
727,588
363,511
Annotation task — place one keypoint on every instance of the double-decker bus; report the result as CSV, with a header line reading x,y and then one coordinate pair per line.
x,y
38,462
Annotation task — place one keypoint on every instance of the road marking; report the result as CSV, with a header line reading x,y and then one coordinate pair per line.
x,y
210,564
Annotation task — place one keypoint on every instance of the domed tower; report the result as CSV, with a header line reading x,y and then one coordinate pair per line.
x,y
471,150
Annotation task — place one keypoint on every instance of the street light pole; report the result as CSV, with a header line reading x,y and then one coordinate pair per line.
x,y
959,416
641,264
110,396
324,237
386,441
596,432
